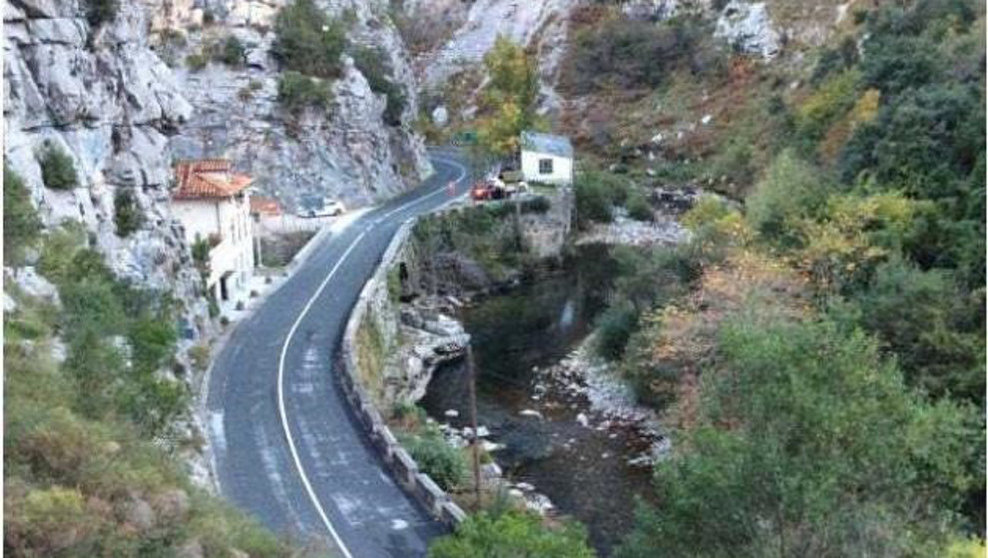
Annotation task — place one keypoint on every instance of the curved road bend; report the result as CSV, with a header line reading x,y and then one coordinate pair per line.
x,y
286,447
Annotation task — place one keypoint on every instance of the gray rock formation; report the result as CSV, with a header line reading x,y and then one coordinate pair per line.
x,y
347,152
110,103
656,10
538,24
748,28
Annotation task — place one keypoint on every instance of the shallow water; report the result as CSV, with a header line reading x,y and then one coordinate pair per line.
x,y
584,471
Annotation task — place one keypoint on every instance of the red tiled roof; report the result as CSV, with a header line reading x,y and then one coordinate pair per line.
x,y
207,178
264,205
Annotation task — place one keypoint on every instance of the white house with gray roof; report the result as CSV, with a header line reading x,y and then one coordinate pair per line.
x,y
546,158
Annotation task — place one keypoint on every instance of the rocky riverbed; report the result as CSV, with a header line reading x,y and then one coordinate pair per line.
x,y
562,436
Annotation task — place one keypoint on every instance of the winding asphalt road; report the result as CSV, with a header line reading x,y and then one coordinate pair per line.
x,y
286,447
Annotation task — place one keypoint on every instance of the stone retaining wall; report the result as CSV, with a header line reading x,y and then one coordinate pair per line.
x,y
404,468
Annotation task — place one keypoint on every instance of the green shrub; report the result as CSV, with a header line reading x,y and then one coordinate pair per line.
x,y
806,438
297,92
152,342
99,12
614,329
127,216
21,224
196,61
200,253
539,204
231,52
639,208
624,54
791,191
921,316
200,357
394,285
58,250
57,169
308,41
593,199
409,415
444,463
512,533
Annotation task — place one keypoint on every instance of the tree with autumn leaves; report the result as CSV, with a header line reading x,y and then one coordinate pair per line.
x,y
508,100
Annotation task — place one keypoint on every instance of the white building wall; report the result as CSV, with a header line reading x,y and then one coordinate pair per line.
x,y
562,168
233,257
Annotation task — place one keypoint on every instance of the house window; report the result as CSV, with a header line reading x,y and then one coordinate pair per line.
x,y
545,166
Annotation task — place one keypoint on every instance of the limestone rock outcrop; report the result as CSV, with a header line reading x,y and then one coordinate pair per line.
x,y
347,152
105,99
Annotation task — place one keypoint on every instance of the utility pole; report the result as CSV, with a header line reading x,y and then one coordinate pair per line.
x,y
473,423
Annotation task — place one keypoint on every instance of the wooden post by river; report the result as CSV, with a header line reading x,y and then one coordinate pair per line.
x,y
473,424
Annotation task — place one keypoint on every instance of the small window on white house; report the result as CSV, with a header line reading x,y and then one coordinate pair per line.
x,y
545,166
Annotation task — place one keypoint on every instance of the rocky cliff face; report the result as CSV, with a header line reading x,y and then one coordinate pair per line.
x,y
348,152
539,24
469,30
110,103
106,98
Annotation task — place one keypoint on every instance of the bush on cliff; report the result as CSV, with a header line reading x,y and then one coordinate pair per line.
x,y
231,51
21,224
296,92
308,41
57,169
127,214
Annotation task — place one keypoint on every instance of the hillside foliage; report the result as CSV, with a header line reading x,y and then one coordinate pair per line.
x,y
820,348
91,464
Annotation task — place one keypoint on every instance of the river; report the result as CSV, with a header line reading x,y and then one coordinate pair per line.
x,y
583,469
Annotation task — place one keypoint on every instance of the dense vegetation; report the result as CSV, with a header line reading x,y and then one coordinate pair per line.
x,y
308,44
90,465
508,100
308,41
822,350
600,193
20,222
512,533
425,442
296,92
614,53
486,234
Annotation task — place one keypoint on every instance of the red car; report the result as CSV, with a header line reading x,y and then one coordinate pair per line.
x,y
488,191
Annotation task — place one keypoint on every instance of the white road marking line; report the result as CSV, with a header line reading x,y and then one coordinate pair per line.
x,y
284,352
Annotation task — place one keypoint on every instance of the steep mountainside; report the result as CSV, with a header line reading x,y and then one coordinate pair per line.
x,y
102,97
347,152
450,38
